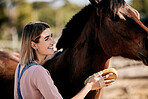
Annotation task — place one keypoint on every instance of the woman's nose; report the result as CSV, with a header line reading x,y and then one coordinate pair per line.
x,y
53,42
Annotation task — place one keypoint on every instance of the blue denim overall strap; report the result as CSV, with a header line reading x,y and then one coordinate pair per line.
x,y
19,77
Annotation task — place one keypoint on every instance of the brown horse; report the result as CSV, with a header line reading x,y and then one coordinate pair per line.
x,y
103,29
8,63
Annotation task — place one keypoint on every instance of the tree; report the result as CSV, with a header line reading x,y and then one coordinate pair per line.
x,y
25,14
45,12
15,14
55,17
64,14
3,18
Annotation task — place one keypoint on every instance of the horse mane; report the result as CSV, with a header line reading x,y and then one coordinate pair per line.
x,y
75,26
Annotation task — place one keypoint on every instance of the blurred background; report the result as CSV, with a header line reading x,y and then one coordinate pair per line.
x,y
15,14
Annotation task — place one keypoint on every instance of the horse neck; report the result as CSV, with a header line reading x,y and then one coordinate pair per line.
x,y
88,60
88,56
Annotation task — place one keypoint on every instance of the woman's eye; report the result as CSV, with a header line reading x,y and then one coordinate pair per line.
x,y
46,39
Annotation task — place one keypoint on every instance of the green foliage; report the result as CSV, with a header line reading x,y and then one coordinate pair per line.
x,y
56,18
25,14
146,7
145,21
137,4
64,14
141,6
39,5
68,10
37,11
47,14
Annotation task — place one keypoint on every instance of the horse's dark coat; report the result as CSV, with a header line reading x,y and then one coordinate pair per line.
x,y
103,29
83,52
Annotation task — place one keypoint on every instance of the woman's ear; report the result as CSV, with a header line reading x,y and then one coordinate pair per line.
x,y
33,45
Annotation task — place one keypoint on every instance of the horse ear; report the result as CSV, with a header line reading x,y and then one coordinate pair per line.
x,y
95,2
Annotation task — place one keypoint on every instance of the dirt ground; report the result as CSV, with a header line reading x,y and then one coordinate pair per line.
x,y
132,82
127,89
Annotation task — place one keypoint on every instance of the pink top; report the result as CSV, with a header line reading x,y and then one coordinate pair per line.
x,y
36,83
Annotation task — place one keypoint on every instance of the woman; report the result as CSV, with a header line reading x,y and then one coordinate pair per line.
x,y
33,81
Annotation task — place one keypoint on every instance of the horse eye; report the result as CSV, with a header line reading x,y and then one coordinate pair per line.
x,y
115,18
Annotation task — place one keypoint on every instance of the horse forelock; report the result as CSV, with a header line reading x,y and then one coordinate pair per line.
x,y
111,6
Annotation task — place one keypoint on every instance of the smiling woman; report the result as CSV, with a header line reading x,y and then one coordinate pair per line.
x,y
31,33
37,43
45,45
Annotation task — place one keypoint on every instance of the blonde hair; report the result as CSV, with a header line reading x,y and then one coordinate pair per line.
x,y
30,33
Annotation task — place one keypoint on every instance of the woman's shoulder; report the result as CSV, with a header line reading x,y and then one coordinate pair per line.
x,y
37,68
39,72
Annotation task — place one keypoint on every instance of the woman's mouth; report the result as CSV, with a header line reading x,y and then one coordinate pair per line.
x,y
50,47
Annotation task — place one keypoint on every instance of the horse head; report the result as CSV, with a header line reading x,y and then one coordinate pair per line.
x,y
119,30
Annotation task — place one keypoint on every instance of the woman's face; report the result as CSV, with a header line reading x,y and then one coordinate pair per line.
x,y
45,45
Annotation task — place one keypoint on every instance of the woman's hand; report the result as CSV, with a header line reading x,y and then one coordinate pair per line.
x,y
98,81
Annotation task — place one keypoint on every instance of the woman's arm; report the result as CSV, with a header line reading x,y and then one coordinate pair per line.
x,y
95,82
83,92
